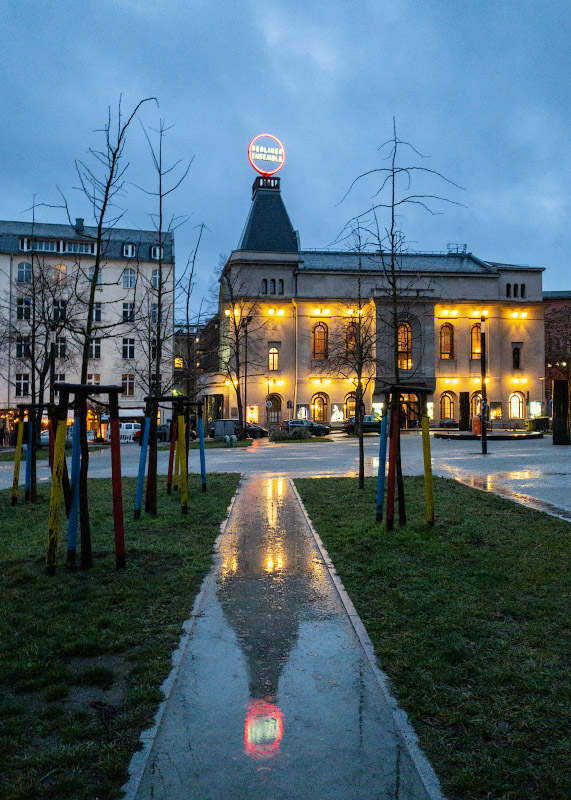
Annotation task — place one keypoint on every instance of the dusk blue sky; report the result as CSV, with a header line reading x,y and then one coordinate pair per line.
x,y
482,87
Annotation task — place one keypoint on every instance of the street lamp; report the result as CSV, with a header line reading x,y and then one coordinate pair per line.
x,y
484,404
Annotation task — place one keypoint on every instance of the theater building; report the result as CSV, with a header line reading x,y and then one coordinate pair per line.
x,y
297,303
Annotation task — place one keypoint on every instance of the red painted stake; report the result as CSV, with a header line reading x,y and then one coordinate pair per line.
x,y
120,559
171,456
392,470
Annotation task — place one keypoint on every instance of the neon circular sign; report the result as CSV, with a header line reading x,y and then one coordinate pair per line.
x,y
266,154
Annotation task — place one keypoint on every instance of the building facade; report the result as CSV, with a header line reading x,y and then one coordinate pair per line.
x,y
46,272
288,316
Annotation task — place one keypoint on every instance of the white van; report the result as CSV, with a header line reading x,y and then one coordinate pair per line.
x,y
127,431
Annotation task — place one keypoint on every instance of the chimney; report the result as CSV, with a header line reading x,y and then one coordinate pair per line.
x,y
79,224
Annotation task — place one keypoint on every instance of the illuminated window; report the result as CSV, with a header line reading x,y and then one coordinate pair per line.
x,y
319,407
446,406
24,273
319,341
516,405
60,273
128,381
129,277
351,334
404,346
273,358
476,342
476,403
447,342
179,363
350,401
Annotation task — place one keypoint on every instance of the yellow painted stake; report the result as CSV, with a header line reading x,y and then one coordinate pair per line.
x,y
428,484
55,498
175,481
17,460
183,466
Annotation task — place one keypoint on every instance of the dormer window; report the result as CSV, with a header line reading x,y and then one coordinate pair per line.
x,y
156,252
129,250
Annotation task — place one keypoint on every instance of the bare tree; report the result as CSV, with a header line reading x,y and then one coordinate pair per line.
x,y
383,224
102,181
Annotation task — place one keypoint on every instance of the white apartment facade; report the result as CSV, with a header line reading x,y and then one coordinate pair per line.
x,y
45,274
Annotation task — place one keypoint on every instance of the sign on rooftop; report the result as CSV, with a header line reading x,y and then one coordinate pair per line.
x,y
266,154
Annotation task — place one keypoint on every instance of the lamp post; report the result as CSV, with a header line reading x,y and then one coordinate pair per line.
x,y
246,320
484,404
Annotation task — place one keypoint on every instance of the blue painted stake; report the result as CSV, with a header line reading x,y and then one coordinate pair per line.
x,y
382,467
142,465
73,512
202,461
28,481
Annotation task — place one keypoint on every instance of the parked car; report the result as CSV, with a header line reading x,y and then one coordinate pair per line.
x,y
314,428
252,431
371,424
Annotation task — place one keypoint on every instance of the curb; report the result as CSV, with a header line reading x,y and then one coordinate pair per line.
x,y
426,773
147,738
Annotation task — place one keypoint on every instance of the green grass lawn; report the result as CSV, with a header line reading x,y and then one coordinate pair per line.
x,y
470,619
41,454
82,655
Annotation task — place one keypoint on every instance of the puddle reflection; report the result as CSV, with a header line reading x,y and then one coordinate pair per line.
x,y
267,585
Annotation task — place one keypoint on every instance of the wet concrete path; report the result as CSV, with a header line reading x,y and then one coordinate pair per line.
x,y
274,696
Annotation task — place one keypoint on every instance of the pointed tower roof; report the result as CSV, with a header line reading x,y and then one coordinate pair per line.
x,y
268,228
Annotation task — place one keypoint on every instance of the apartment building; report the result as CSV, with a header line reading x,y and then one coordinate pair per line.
x,y
45,277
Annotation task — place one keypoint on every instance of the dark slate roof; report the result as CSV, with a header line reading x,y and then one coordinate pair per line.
x,y
268,228
408,262
10,233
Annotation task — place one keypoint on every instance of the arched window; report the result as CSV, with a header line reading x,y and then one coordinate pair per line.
x,y
129,278
446,406
515,405
476,403
264,286
351,337
350,405
155,278
319,341
273,356
508,290
272,286
24,272
404,346
522,290
476,341
319,407
447,341
516,290
60,273
280,286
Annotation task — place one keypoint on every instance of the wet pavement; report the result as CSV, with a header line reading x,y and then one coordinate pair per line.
x,y
274,695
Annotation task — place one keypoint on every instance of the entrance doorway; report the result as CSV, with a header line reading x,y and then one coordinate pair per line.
x,y
274,411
